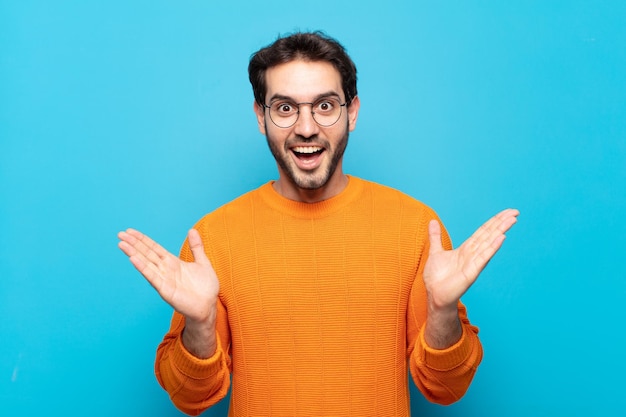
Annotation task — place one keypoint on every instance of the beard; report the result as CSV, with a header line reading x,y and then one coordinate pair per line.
x,y
308,180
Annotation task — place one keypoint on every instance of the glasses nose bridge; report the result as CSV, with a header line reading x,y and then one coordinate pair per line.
x,y
305,103
312,113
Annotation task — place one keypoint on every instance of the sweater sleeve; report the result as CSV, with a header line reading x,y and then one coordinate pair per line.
x,y
443,376
194,384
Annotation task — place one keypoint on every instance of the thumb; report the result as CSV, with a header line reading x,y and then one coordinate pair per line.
x,y
197,247
434,237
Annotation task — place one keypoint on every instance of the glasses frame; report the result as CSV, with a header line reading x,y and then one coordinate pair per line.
x,y
341,106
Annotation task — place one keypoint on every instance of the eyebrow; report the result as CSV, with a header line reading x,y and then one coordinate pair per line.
x,y
318,97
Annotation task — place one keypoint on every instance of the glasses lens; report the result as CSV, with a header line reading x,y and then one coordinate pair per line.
x,y
284,113
327,111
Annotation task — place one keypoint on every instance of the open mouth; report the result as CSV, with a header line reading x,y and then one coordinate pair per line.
x,y
307,152
308,157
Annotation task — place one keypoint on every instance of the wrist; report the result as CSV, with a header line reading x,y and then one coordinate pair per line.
x,y
198,336
443,327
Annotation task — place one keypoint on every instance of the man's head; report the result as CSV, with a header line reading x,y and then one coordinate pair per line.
x,y
306,105
313,46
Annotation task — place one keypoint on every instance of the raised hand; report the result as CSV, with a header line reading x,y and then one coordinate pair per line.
x,y
449,274
191,288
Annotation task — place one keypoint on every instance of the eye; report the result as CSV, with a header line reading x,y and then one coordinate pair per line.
x,y
284,108
325,106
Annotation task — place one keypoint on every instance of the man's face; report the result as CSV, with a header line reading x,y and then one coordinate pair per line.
x,y
308,155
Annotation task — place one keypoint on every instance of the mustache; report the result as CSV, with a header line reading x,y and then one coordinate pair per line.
x,y
312,140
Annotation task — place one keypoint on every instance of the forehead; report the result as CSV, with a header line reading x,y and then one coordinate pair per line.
x,y
303,80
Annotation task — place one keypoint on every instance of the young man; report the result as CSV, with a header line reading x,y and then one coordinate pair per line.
x,y
318,291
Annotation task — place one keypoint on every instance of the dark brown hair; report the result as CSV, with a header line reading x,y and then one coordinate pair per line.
x,y
311,46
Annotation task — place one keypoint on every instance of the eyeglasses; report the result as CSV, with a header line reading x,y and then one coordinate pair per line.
x,y
325,111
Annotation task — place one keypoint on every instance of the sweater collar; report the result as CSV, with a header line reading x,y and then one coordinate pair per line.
x,y
312,210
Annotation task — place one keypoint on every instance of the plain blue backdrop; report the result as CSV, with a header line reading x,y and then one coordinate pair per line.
x,y
138,113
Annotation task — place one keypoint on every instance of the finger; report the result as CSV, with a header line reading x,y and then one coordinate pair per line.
x,y
126,238
508,219
129,245
148,243
496,232
495,226
152,251
488,249
434,237
197,247
488,239
139,260
505,219
142,264
141,257
124,245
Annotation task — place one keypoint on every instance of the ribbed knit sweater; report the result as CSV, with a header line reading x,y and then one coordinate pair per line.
x,y
321,310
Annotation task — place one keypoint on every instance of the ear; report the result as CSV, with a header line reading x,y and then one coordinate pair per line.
x,y
353,112
260,116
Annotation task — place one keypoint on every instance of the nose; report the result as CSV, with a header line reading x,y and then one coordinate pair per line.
x,y
305,125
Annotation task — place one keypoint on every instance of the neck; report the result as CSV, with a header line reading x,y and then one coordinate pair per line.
x,y
335,185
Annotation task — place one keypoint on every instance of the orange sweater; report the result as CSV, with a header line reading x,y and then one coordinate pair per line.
x,y
321,310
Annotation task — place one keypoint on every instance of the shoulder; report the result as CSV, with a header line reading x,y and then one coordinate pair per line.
x,y
392,197
236,208
226,221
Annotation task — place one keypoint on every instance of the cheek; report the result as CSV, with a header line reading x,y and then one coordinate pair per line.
x,y
277,139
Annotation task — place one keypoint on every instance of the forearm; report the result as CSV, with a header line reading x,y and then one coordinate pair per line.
x,y
199,337
443,327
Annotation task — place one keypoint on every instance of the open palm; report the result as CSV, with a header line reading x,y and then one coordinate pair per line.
x,y
191,288
449,274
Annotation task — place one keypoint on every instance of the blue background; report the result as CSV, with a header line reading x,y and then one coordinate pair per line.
x,y
116,114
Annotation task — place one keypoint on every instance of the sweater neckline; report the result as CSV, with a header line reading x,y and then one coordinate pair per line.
x,y
311,210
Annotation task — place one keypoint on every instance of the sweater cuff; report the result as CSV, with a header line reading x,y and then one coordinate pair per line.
x,y
194,367
448,358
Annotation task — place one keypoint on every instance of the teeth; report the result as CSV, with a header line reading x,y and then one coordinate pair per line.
x,y
307,149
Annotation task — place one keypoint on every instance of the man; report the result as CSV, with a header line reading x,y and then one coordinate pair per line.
x,y
318,291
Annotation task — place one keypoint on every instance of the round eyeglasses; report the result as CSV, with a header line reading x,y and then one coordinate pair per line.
x,y
325,111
